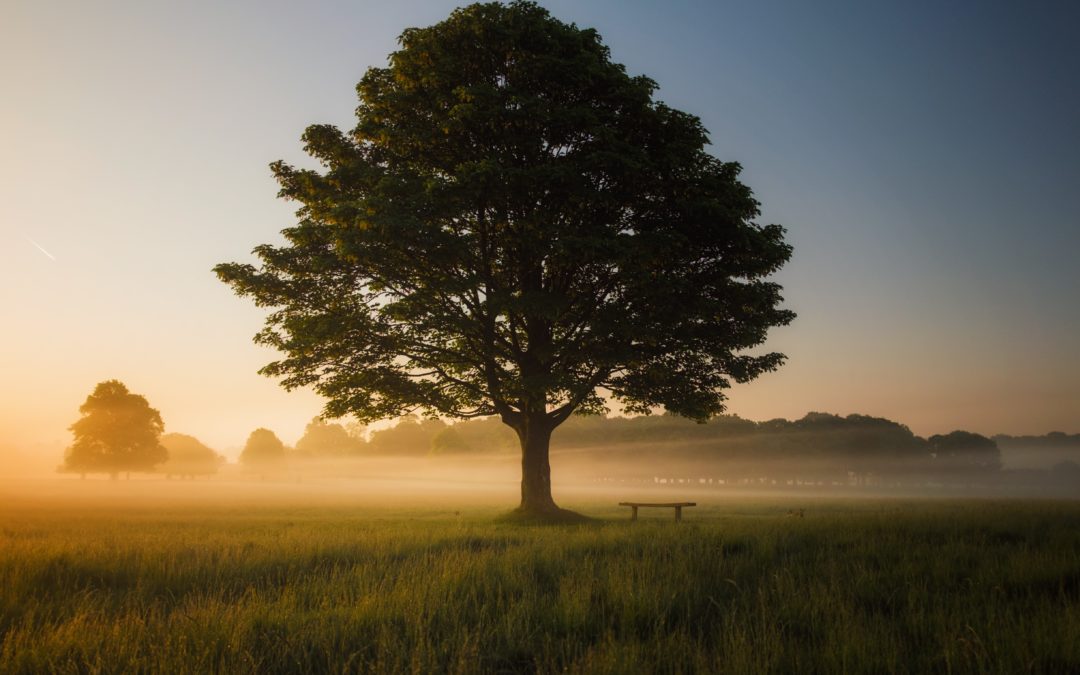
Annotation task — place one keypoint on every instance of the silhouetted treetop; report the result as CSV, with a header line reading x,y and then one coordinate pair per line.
x,y
328,439
410,436
188,456
964,450
118,431
263,447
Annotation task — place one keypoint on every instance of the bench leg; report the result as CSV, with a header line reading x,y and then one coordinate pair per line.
x,y
634,516
678,513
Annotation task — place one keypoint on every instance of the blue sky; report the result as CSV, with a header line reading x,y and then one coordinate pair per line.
x,y
924,157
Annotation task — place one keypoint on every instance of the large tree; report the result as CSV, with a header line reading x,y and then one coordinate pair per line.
x,y
515,227
118,431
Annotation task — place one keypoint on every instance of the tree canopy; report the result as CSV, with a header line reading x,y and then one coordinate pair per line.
x,y
516,227
964,450
263,448
118,431
188,456
328,439
410,436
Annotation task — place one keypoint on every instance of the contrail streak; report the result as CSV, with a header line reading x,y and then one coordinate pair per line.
x,y
40,247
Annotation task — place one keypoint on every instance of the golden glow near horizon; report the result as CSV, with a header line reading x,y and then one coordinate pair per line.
x,y
134,143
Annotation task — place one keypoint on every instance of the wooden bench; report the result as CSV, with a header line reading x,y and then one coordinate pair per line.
x,y
678,506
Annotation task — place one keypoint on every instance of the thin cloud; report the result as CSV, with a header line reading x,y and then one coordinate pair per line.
x,y
40,248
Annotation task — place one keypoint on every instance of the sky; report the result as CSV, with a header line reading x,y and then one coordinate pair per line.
x,y
924,157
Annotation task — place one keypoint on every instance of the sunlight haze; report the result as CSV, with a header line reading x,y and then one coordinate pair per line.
x,y
925,161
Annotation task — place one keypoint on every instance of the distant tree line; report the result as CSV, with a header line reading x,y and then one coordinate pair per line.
x,y
820,446
1058,451
1054,439
119,432
858,448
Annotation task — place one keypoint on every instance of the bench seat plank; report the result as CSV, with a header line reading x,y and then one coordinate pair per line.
x,y
678,506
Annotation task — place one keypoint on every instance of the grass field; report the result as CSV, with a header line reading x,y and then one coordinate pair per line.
x,y
855,586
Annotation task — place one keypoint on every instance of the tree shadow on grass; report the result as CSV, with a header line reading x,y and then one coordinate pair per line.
x,y
555,516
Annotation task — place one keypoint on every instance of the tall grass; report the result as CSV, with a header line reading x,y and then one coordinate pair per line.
x,y
859,587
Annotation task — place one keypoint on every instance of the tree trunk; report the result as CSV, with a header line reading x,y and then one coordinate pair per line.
x,y
535,437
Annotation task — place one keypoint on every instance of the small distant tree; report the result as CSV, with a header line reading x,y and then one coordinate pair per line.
x,y
118,431
488,435
357,430
262,450
410,436
965,452
189,457
326,439
449,442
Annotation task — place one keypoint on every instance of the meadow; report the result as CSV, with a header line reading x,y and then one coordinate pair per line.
x,y
104,584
